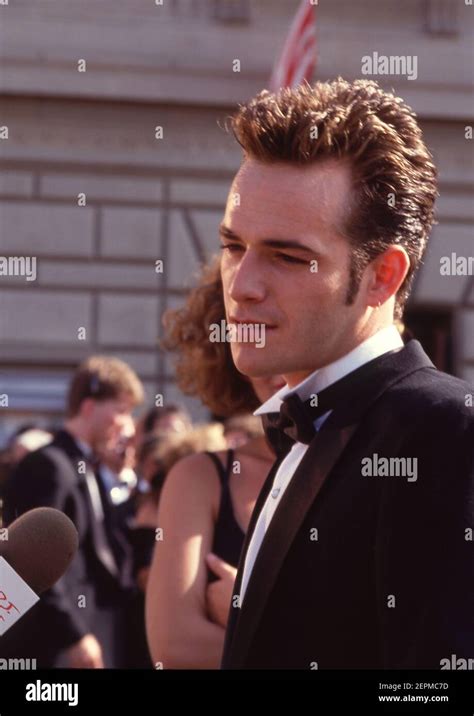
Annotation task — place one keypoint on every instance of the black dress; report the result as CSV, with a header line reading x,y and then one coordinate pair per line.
x,y
142,540
227,544
228,535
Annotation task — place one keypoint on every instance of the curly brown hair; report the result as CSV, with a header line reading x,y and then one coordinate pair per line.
x,y
203,368
378,134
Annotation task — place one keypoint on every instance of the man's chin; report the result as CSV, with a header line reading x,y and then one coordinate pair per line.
x,y
251,361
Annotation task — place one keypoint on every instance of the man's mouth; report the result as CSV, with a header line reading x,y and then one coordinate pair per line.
x,y
251,322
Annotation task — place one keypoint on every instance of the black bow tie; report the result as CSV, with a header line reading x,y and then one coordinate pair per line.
x,y
295,421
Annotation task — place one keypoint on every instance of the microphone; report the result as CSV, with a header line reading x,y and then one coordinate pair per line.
x,y
40,547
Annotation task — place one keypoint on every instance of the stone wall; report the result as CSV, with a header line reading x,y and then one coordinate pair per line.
x,y
148,198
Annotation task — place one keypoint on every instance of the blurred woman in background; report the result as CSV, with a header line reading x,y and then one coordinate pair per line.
x,y
157,456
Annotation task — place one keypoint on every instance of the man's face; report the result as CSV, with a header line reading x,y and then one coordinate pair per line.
x,y
279,220
108,421
120,449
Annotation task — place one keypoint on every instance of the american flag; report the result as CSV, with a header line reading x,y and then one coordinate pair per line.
x,y
298,59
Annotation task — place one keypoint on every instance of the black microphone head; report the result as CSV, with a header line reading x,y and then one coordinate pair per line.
x,y
40,546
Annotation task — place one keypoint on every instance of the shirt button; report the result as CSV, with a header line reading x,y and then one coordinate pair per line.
x,y
275,492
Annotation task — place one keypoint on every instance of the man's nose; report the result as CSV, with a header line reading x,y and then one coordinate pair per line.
x,y
248,280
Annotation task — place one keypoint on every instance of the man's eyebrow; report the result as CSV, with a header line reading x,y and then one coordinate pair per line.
x,y
225,232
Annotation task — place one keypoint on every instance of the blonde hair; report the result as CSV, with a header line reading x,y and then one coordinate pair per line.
x,y
208,437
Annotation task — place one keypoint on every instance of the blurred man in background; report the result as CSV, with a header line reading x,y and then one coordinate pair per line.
x,y
79,622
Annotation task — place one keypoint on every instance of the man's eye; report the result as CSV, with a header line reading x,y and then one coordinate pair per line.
x,y
230,247
290,259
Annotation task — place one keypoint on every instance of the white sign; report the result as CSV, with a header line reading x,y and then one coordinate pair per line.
x,y
16,597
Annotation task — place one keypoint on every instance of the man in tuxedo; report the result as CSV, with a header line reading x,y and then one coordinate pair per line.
x,y
359,552
80,622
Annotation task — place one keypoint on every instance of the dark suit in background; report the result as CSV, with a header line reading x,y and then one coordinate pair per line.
x,y
389,582
93,595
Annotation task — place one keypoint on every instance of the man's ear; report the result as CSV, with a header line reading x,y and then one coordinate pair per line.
x,y
387,273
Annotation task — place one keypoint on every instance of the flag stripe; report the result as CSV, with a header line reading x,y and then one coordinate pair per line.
x,y
298,57
305,70
296,32
307,46
299,25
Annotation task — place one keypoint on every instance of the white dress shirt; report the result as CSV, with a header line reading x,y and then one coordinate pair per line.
x,y
381,342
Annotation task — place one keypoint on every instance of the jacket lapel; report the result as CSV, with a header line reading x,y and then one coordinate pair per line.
x,y
97,521
234,611
304,487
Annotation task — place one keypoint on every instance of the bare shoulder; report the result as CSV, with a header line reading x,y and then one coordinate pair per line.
x,y
194,478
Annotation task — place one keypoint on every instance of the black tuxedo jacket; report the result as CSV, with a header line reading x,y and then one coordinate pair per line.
x,y
369,572
90,597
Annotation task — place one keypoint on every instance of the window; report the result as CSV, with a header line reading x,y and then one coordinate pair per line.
x,y
230,10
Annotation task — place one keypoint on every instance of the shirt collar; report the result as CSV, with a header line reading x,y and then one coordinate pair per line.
x,y
387,339
84,448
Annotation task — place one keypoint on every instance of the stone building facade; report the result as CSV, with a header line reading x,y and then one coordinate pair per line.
x,y
115,156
